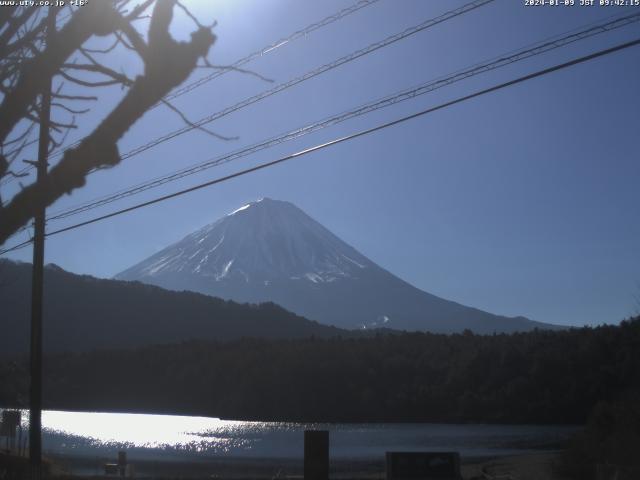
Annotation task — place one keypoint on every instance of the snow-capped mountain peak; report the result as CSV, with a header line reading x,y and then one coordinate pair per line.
x,y
261,241
270,250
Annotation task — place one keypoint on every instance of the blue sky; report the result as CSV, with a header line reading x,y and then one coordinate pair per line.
x,y
521,202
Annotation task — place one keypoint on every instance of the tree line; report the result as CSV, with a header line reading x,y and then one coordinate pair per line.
x,y
535,377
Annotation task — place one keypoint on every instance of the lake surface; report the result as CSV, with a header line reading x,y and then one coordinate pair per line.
x,y
171,437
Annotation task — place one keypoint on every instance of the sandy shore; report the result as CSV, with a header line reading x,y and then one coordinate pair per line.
x,y
534,466
537,466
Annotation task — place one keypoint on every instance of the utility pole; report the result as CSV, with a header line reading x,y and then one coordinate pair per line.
x,y
35,395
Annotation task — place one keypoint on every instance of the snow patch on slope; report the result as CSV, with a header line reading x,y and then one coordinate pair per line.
x,y
225,271
271,240
244,207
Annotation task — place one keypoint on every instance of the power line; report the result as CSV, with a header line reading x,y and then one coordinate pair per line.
x,y
295,81
498,62
16,247
273,46
352,136
313,73
310,74
302,33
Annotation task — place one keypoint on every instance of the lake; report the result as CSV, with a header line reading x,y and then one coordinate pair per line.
x,y
183,438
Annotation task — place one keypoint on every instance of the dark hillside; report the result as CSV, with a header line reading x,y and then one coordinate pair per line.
x,y
85,313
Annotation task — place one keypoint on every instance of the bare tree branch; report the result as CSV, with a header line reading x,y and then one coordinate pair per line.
x,y
96,68
96,18
136,42
207,64
197,127
189,14
136,12
31,35
110,48
69,109
168,63
14,24
87,83
81,98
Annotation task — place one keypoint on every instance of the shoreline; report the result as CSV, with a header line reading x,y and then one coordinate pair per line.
x,y
530,466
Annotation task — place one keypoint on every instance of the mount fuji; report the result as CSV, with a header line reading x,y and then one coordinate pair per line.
x,y
270,250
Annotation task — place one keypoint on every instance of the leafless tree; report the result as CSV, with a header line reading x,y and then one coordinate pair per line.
x,y
30,55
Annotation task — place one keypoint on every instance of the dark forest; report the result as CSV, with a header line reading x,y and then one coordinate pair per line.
x,y
535,377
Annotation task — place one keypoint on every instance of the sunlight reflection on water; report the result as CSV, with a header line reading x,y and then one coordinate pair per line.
x,y
152,436
140,430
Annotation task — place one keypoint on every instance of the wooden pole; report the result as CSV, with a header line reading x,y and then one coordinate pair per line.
x,y
35,396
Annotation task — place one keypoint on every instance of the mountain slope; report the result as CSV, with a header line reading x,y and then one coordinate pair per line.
x,y
271,250
82,313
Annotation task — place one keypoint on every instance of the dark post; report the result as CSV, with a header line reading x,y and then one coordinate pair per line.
x,y
122,462
35,395
316,455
